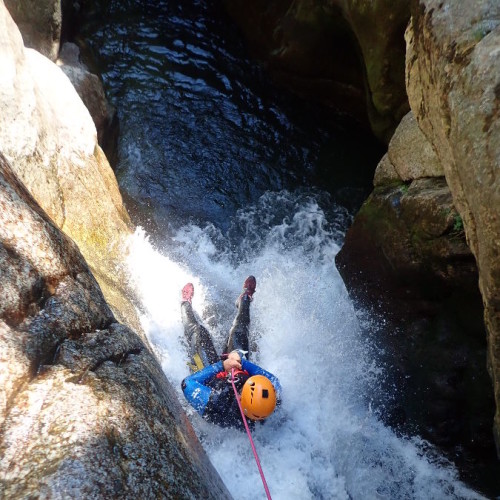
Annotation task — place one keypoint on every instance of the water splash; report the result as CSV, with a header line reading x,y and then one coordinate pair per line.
x,y
324,442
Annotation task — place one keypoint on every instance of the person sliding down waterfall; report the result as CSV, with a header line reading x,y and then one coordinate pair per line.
x,y
209,391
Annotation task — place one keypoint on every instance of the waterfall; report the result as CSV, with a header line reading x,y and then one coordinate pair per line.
x,y
325,442
218,165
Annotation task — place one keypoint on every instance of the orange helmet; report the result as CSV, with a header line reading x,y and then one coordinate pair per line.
x,y
258,397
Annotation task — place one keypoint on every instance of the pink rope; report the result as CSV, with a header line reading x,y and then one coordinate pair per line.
x,y
250,436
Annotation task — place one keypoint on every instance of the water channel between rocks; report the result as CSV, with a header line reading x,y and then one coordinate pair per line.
x,y
229,176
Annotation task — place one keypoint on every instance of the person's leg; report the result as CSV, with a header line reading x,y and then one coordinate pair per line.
x,y
197,336
238,335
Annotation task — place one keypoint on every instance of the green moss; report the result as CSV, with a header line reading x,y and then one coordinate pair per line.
x,y
458,224
404,188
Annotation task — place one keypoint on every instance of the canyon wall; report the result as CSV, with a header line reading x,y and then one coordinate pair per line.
x,y
85,408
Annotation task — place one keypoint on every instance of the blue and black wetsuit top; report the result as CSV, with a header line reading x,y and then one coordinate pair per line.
x,y
210,393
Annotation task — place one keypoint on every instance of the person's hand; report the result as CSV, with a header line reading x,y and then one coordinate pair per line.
x,y
233,360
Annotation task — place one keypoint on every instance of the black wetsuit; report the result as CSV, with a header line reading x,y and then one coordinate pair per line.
x,y
209,390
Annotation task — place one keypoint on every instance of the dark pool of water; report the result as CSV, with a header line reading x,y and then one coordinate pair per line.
x,y
203,129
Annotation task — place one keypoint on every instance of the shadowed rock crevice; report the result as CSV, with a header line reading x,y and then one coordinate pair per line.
x,y
348,55
90,351
31,300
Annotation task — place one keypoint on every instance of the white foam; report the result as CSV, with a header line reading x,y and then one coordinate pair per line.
x,y
324,442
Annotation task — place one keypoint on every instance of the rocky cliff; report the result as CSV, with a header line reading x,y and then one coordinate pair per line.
x,y
49,137
406,258
452,80
85,409
40,22
453,83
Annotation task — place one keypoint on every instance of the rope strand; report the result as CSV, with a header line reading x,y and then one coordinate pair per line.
x,y
250,436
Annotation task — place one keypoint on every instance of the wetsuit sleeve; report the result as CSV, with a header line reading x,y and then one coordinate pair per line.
x,y
195,389
253,369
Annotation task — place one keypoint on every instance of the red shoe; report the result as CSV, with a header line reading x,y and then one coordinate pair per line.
x,y
249,287
187,292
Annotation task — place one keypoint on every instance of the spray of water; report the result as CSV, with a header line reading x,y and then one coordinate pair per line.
x,y
324,442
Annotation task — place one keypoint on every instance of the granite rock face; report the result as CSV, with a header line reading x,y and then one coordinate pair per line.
x,y
42,24
409,243
48,135
417,234
406,259
411,153
453,82
90,89
85,409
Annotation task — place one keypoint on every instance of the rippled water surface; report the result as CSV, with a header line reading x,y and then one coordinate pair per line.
x,y
203,131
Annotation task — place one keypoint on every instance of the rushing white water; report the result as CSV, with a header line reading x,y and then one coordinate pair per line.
x,y
324,442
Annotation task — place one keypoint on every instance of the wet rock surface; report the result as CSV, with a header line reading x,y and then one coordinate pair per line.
x,y
85,409
405,259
